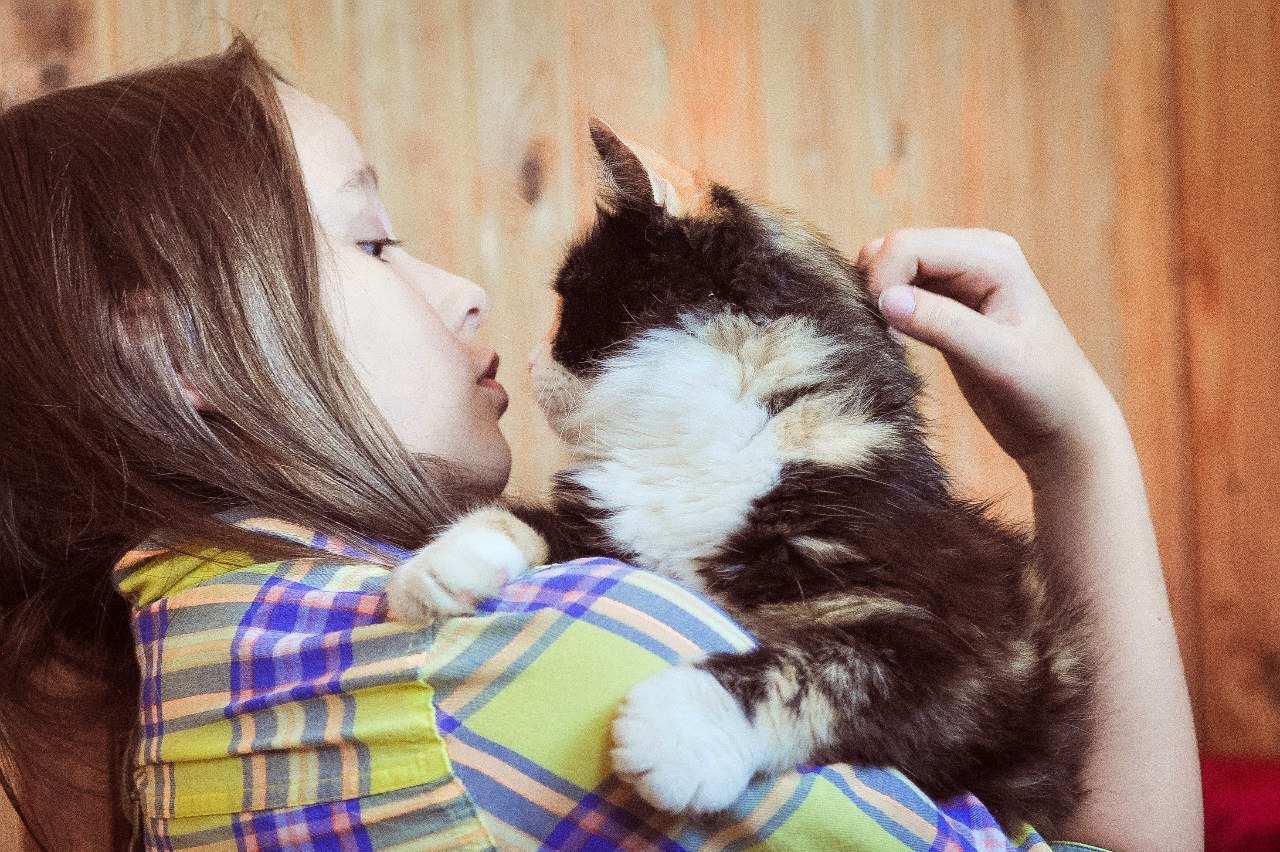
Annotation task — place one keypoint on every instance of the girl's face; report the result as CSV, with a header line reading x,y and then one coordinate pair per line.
x,y
407,327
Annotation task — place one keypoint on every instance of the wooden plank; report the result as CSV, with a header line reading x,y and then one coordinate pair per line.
x,y
1137,95
519,163
309,41
888,115
128,36
1227,66
682,77
42,46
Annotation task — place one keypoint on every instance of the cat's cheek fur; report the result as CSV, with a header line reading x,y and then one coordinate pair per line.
x,y
558,392
821,430
682,741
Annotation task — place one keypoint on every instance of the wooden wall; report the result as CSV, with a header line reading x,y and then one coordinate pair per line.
x,y
1130,147
1227,119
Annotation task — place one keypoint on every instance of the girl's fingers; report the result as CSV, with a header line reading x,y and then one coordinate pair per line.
x,y
868,251
945,324
973,266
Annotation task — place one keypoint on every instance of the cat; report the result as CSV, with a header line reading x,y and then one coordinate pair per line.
x,y
740,419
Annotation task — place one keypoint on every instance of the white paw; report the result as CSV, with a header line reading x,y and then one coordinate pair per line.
x,y
682,742
464,566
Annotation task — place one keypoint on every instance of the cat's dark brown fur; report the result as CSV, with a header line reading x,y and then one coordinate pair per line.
x,y
741,420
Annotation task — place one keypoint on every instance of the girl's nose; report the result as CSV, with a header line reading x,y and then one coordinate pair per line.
x,y
461,303
476,303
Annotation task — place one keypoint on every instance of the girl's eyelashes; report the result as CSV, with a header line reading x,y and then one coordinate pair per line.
x,y
375,247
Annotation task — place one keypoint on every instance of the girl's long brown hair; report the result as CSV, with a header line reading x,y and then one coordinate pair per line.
x,y
152,224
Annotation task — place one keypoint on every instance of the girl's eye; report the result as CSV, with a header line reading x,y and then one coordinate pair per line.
x,y
374,248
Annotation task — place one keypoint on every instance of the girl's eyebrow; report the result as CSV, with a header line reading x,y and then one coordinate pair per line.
x,y
361,179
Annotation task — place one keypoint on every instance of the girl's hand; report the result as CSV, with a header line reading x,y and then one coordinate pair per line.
x,y
971,294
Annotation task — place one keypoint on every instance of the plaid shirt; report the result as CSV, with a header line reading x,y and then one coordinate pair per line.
x,y
281,710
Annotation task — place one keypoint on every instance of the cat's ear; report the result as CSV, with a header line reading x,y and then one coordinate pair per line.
x,y
635,178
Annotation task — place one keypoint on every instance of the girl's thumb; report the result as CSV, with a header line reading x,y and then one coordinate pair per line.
x,y
945,324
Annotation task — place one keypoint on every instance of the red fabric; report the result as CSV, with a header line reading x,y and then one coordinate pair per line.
x,y
1241,804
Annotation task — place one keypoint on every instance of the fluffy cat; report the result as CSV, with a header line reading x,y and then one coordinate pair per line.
x,y
740,420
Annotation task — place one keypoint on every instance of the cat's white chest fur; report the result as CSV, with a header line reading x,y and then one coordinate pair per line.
x,y
673,438
678,452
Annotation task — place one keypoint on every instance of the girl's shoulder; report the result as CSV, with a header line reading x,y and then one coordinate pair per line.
x,y
278,690
157,569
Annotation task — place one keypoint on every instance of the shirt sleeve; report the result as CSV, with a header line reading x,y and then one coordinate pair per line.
x,y
525,693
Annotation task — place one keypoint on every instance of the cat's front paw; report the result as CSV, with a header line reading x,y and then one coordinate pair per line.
x,y
470,562
681,740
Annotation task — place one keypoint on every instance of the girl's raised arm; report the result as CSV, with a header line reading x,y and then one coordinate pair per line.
x,y
972,295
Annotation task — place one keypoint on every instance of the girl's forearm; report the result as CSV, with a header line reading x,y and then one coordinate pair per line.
x,y
1143,776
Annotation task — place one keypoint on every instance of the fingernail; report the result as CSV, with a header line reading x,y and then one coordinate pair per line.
x,y
897,302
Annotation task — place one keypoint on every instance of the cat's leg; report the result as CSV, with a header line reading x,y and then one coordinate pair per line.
x,y
468,562
689,744
683,742
892,690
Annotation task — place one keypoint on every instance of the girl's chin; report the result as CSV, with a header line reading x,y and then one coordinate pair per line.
x,y
496,475
483,476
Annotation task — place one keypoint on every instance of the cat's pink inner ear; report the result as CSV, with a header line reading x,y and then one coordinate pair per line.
x,y
632,174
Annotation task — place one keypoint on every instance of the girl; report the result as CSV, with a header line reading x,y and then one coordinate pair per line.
x,y
232,402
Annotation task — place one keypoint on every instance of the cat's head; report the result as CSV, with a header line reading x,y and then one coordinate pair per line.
x,y
679,261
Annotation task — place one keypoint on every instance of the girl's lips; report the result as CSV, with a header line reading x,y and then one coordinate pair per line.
x,y
490,380
499,392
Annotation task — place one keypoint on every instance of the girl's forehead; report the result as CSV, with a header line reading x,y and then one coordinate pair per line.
x,y
328,151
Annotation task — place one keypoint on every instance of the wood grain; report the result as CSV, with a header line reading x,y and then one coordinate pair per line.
x,y
1227,96
42,47
520,163
1137,95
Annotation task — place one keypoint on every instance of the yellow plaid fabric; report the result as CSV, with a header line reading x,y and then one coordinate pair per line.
x,y
281,710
